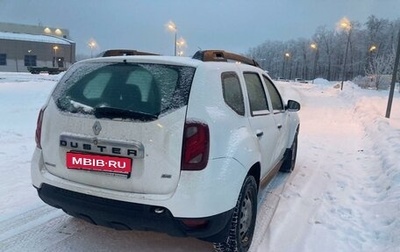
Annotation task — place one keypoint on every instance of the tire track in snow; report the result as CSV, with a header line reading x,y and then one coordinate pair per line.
x,y
268,201
19,228
270,196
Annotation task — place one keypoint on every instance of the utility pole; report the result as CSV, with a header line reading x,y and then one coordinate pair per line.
x,y
394,77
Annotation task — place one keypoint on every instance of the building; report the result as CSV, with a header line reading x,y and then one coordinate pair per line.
x,y
22,46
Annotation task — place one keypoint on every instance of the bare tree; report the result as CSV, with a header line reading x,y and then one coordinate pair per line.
x,y
380,69
370,52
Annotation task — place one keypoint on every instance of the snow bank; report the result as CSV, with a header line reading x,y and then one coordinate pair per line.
x,y
320,81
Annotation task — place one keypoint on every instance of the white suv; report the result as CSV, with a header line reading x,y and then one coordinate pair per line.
x,y
169,144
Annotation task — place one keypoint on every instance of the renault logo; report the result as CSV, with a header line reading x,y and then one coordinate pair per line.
x,y
96,128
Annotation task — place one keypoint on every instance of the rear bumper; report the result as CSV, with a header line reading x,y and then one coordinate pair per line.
x,y
133,216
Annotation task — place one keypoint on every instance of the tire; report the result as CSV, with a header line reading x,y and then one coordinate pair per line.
x,y
290,157
243,220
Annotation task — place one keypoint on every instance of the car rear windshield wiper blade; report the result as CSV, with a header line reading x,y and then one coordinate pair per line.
x,y
110,112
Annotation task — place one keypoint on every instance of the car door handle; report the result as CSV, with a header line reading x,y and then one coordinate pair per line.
x,y
259,133
279,126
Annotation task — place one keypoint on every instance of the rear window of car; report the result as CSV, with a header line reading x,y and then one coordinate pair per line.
x,y
124,90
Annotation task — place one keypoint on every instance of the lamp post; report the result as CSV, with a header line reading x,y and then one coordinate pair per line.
x,y
55,48
286,57
394,77
92,45
181,43
370,62
345,25
172,27
314,46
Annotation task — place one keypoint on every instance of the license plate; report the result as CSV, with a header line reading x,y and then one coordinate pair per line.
x,y
93,162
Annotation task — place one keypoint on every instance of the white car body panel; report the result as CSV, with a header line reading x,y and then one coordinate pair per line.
x,y
160,138
219,173
157,178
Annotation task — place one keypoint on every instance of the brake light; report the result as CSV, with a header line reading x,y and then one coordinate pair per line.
x,y
196,145
38,133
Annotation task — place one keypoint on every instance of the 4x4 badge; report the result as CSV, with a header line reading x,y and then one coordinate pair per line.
x,y
96,128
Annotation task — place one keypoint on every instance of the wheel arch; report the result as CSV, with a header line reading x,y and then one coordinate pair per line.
x,y
292,135
255,171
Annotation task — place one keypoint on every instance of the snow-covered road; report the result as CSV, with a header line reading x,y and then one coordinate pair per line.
x,y
344,194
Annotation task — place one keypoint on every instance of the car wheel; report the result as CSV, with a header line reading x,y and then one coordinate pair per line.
x,y
290,158
243,220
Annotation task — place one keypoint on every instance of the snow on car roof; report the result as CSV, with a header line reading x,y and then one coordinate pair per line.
x,y
149,59
34,38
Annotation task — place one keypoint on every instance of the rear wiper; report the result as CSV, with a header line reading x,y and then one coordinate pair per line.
x,y
66,103
110,112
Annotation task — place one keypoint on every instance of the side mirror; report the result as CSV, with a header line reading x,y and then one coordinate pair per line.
x,y
293,106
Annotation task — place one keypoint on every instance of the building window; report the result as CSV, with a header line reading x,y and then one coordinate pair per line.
x,y
3,59
30,60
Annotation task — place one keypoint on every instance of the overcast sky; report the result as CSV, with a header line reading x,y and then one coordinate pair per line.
x,y
234,25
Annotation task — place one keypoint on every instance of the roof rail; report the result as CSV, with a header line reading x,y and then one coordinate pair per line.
x,y
220,55
123,52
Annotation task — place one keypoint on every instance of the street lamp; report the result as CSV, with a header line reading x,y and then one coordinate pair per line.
x,y
55,48
171,26
58,32
345,25
314,46
372,48
92,45
370,59
47,30
286,57
181,43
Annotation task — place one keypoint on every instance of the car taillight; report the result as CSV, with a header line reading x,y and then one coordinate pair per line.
x,y
196,145
38,133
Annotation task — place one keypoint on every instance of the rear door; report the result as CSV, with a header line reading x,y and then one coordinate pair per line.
x,y
261,120
106,117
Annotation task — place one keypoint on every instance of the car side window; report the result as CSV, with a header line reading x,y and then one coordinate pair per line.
x,y
256,93
276,99
232,92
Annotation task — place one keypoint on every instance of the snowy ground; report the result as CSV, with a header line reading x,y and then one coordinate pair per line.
x,y
344,194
